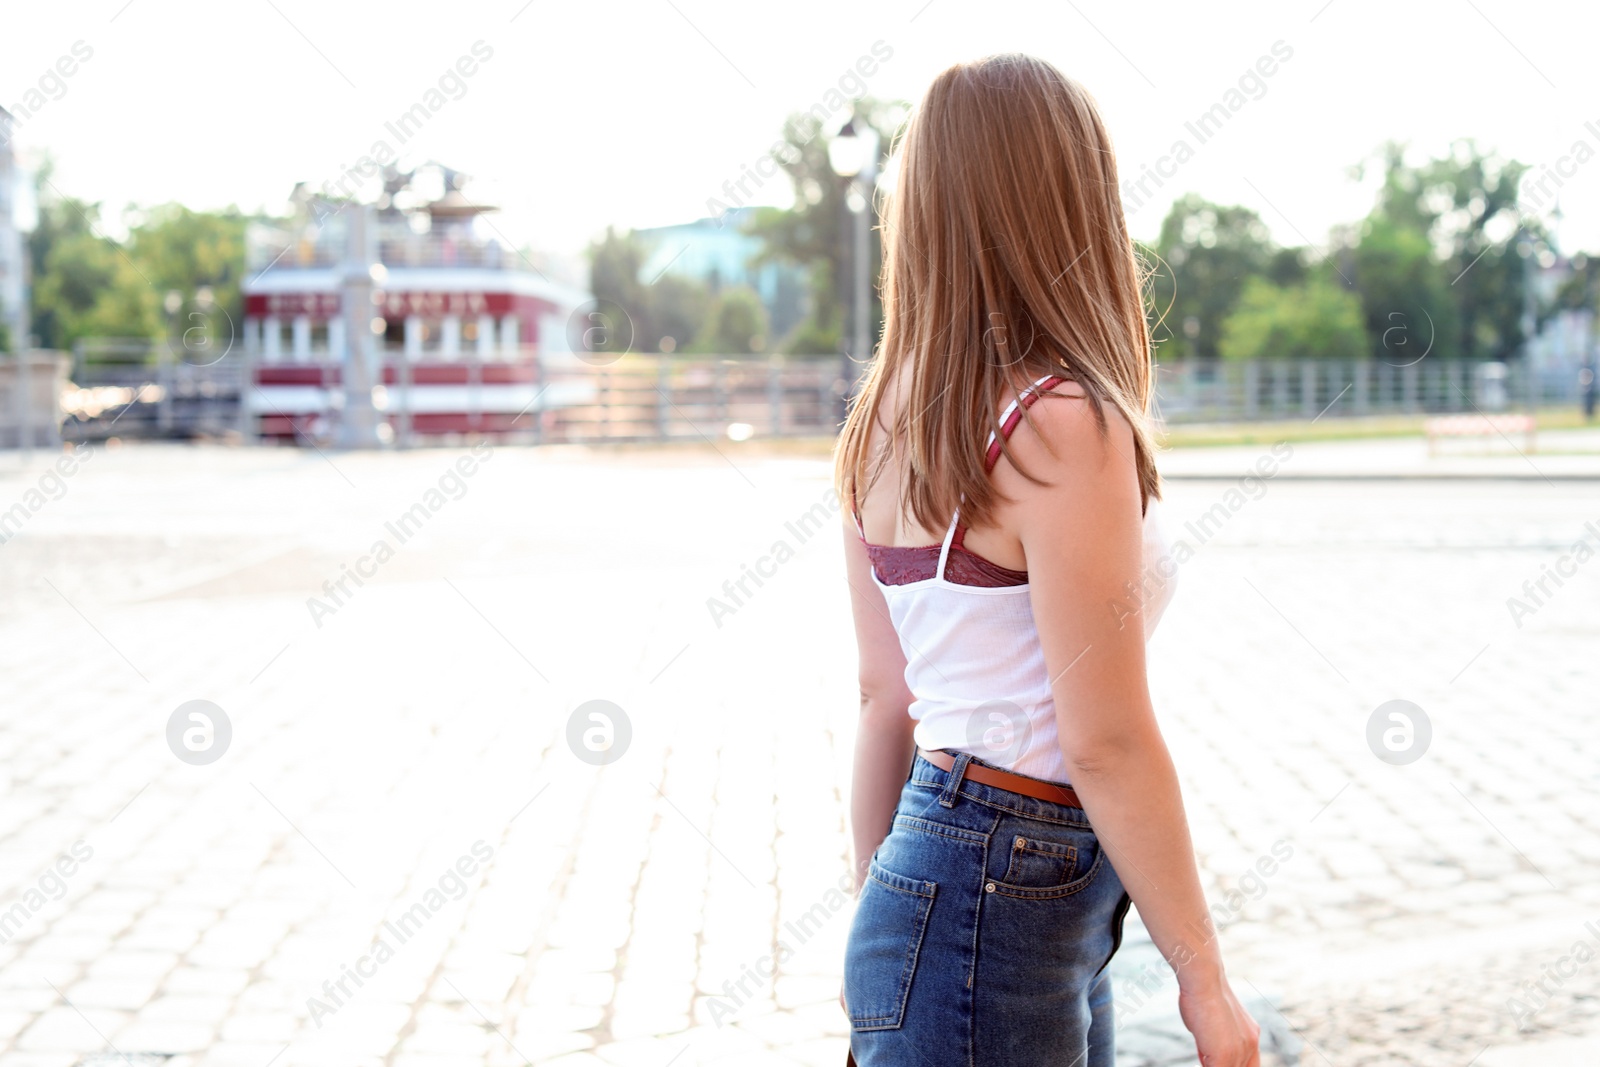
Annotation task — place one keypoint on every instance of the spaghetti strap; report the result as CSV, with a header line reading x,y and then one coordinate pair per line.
x,y
952,539
992,451
1013,415
957,532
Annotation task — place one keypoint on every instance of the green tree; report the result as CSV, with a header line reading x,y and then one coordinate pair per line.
x,y
1207,253
676,308
1580,291
1288,266
185,251
614,264
818,231
822,332
1466,202
672,307
1316,319
736,324
85,285
1406,301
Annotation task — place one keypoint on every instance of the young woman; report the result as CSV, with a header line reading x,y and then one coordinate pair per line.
x,y
1011,786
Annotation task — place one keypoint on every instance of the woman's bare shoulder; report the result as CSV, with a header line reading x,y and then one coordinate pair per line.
x,y
1062,434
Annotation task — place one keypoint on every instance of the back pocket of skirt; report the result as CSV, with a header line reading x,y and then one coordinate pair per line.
x,y
885,940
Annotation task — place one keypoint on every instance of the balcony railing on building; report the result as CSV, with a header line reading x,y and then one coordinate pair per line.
x,y
398,246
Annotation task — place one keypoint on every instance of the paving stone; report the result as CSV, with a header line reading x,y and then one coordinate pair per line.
x,y
64,1029
371,751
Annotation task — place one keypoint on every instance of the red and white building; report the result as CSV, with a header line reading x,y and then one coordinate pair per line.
x,y
465,329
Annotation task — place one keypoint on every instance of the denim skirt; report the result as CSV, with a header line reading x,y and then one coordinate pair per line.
x,y
982,932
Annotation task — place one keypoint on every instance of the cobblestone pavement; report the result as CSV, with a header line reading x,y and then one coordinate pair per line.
x,y
399,857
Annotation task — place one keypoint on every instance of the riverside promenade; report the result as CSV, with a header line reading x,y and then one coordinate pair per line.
x,y
510,756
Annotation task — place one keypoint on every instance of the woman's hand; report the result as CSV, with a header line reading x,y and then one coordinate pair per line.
x,y
1224,1033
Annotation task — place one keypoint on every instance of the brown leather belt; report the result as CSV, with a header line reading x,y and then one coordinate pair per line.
x,y
1015,783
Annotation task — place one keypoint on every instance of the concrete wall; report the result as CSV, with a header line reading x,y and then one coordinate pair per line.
x,y
31,415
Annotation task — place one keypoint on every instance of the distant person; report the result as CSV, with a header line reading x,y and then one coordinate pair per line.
x,y
1588,386
1011,789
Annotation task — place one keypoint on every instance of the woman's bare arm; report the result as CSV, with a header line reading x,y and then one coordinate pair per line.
x,y
883,735
1081,536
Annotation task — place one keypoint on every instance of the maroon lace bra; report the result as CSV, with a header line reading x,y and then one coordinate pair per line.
x,y
904,564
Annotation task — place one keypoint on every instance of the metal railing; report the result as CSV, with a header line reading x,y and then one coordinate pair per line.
x,y
143,391
135,388
1260,390
665,398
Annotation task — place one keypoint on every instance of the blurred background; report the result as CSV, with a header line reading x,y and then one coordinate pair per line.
x,y
420,586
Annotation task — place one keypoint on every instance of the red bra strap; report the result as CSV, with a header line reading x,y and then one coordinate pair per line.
x,y
1010,423
1025,401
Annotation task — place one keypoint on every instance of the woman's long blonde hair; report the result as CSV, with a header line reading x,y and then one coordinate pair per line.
x,y
1007,257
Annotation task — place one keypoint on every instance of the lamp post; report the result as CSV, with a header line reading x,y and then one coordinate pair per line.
x,y
853,154
1524,247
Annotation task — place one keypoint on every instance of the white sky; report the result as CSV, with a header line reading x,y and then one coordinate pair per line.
x,y
625,112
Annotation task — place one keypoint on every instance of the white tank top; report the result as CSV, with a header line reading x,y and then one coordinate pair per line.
x,y
974,664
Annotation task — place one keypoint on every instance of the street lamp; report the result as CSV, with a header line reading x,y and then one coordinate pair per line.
x,y
1523,245
853,154
851,151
